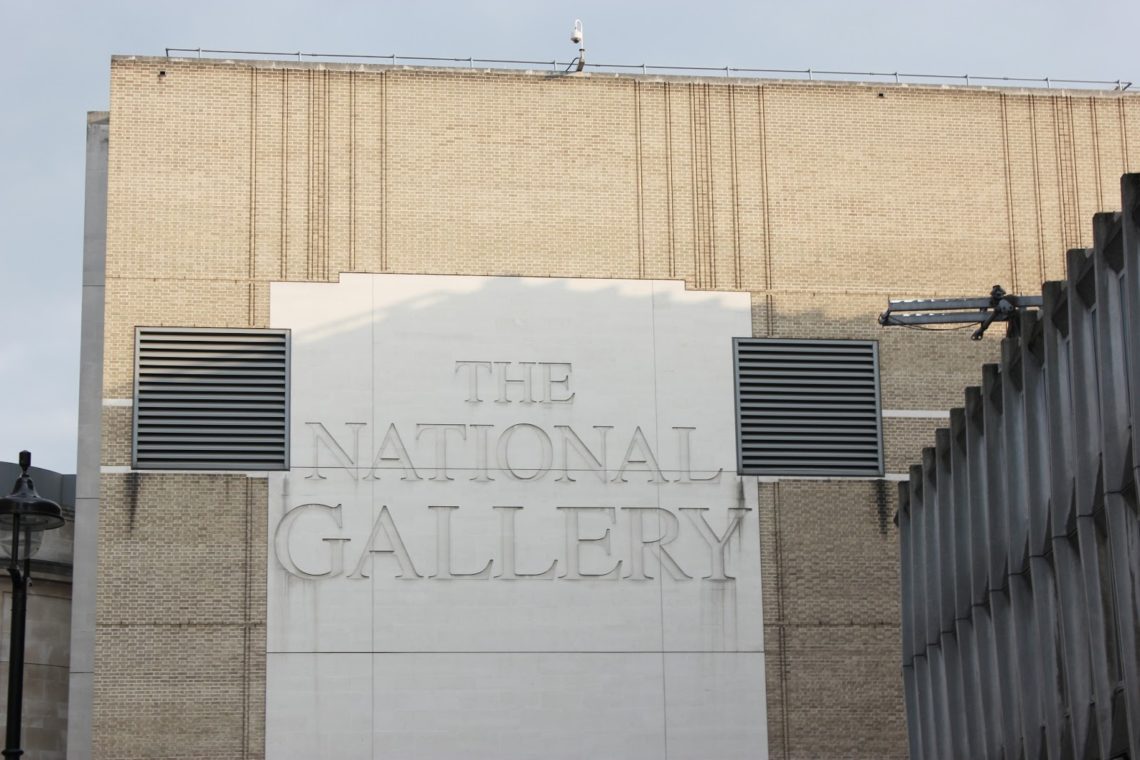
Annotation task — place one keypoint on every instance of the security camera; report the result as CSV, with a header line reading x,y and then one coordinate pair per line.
x,y
576,35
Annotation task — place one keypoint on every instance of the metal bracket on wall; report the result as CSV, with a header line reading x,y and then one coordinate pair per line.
x,y
998,307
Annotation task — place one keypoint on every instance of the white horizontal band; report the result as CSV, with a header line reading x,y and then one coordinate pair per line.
x,y
920,414
894,476
120,469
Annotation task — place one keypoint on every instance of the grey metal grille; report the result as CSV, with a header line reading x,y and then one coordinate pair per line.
x,y
808,407
211,399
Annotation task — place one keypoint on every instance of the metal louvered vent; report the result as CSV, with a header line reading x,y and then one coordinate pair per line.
x,y
211,399
808,407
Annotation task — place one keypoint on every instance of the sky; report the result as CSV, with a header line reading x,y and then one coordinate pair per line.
x,y
56,69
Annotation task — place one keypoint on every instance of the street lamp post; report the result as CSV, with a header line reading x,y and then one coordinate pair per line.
x,y
23,512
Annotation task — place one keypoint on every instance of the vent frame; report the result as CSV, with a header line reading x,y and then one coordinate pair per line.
x,y
210,339
822,463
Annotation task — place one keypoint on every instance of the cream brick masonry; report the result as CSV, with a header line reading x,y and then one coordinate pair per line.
x,y
820,199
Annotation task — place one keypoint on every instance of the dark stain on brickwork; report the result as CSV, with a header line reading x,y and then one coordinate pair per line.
x,y
882,509
132,496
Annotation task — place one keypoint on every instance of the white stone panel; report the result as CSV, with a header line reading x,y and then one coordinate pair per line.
x,y
716,708
330,350
565,706
694,384
518,498
311,614
318,706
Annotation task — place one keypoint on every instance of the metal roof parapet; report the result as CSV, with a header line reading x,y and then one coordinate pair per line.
x,y
809,74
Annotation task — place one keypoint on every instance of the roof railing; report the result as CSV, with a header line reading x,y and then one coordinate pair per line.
x,y
897,77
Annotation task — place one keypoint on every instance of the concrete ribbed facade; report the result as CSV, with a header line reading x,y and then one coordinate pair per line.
x,y
1019,531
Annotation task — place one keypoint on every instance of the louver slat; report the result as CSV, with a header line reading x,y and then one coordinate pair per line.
x,y
211,399
808,407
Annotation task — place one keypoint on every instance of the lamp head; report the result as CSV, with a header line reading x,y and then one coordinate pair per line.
x,y
24,505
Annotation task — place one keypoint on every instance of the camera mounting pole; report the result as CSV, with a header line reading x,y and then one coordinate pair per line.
x,y
578,38
999,307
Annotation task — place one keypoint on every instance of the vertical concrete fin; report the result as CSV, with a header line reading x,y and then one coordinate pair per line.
x,y
85,564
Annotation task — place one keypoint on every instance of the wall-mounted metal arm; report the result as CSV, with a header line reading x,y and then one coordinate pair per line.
x,y
998,307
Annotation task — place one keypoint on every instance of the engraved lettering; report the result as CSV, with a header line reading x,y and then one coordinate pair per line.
x,y
443,549
473,378
441,432
546,451
507,549
392,453
549,383
647,458
321,435
667,530
685,459
481,473
716,544
570,440
506,382
652,530
575,540
284,531
384,524
399,454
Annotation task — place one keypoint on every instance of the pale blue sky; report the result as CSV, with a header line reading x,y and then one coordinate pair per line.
x,y
56,69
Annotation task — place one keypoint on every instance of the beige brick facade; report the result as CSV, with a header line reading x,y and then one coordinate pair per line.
x,y
822,200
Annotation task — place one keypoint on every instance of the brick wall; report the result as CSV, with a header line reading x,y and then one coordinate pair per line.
x,y
820,199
